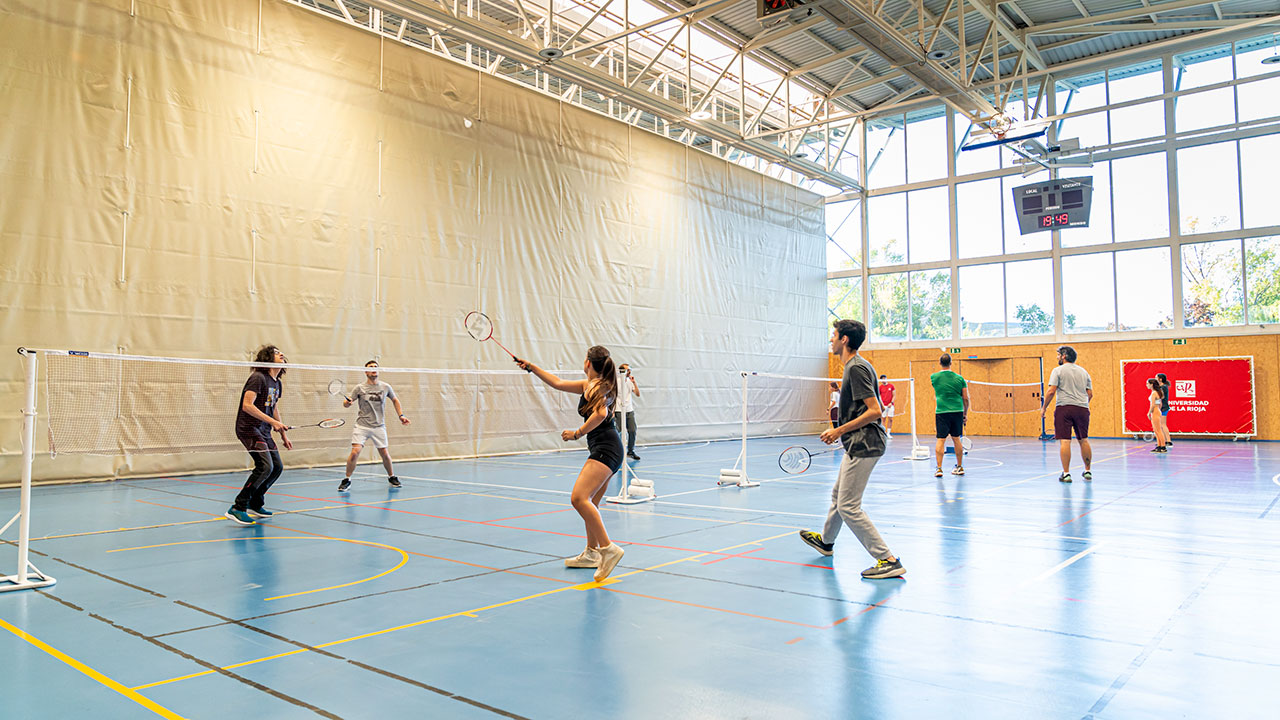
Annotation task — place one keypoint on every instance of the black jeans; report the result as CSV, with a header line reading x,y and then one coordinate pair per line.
x,y
266,470
631,428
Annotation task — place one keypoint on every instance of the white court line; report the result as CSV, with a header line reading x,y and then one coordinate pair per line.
x,y
476,484
1276,479
1061,565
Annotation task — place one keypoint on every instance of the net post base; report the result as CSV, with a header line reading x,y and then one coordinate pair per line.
x,y
35,579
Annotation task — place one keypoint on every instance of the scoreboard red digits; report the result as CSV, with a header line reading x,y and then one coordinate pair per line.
x,y
1054,220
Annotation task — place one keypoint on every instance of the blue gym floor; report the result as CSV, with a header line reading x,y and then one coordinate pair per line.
x,y
1147,593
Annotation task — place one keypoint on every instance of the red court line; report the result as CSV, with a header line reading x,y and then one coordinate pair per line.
x,y
793,641
571,582
525,529
730,557
517,517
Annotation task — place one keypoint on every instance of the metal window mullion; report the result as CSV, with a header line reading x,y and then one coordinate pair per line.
x,y
953,239
1171,185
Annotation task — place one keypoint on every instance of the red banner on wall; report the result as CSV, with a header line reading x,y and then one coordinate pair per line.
x,y
1210,396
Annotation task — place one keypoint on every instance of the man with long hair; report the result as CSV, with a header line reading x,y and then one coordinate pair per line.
x,y
258,414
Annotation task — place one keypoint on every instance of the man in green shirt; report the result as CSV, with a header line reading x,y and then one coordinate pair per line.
x,y
951,399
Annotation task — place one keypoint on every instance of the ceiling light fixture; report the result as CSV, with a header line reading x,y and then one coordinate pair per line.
x,y
700,115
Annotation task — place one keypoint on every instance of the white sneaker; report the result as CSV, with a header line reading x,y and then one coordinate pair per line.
x,y
609,557
589,558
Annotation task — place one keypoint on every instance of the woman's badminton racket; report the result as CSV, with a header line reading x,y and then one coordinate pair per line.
x,y
796,459
330,423
337,387
481,328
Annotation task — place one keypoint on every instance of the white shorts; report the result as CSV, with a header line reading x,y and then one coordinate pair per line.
x,y
362,436
888,411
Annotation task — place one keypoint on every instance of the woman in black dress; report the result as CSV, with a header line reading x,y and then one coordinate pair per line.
x,y
598,392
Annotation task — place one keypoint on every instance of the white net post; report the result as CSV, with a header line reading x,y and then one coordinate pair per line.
x,y
633,490
28,575
918,451
737,475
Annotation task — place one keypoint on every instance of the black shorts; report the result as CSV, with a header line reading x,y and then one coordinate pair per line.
x,y
605,447
256,441
1066,417
949,424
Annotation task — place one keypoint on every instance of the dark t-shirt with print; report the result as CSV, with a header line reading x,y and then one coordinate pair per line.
x,y
859,385
268,391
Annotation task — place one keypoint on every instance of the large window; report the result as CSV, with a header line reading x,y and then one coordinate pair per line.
x,y
1207,108
889,307
982,301
931,305
844,235
1144,289
886,152
1180,152
1029,298
844,298
887,229
927,147
1089,292
1209,188
928,225
1143,120
978,221
1212,283
1140,192
1262,268
1259,162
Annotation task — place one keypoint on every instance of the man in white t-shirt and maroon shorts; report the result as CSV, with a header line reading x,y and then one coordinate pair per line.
x,y
1073,388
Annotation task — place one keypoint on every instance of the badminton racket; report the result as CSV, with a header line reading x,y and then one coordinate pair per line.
x,y
329,423
796,459
481,328
336,387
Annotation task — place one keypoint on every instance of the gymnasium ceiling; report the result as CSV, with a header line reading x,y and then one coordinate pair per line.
x,y
661,63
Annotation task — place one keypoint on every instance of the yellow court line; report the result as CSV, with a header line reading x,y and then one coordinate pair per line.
x,y
404,556
465,613
330,643
93,674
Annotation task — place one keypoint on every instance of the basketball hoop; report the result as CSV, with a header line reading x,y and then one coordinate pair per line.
x,y
1000,125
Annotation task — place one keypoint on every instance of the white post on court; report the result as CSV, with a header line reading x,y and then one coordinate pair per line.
x,y
737,475
23,580
634,490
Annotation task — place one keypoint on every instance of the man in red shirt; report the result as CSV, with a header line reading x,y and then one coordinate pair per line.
x,y
886,402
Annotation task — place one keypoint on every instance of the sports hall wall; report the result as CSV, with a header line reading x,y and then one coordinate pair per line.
x,y
174,184
1101,359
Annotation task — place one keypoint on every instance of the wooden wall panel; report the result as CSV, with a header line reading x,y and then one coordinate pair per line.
x,y
1102,360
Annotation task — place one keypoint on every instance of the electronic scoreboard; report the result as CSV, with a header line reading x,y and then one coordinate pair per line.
x,y
1053,204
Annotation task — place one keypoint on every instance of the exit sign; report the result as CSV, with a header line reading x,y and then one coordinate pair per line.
x,y
955,351
1180,341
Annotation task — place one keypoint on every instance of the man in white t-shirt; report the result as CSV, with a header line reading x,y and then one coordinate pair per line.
x,y
627,408
1073,388
370,397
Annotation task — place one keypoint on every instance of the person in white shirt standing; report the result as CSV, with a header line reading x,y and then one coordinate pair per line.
x,y
627,408
371,397
1074,389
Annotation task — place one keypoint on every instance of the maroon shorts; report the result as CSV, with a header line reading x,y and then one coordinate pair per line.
x,y
1066,417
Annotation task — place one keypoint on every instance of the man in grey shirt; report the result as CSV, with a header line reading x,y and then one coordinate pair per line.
x,y
1073,388
370,398
863,437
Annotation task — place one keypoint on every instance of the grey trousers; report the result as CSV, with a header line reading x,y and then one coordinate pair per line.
x,y
846,506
